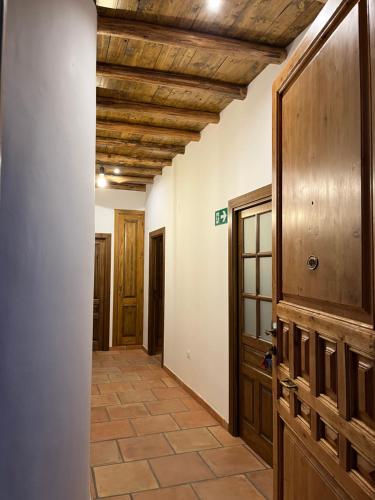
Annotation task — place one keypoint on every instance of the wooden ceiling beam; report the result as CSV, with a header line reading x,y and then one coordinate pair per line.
x,y
111,104
135,171
172,80
167,35
122,179
128,161
147,130
141,147
126,187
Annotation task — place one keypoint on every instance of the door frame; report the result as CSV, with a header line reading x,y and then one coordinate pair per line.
x,y
257,197
151,340
115,340
107,286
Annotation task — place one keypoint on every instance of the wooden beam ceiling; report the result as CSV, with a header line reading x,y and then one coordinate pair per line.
x,y
168,35
166,75
172,80
110,104
131,171
140,149
128,161
165,133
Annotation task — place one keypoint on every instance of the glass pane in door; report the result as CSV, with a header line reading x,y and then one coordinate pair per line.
x,y
250,275
249,234
265,319
265,232
250,313
265,278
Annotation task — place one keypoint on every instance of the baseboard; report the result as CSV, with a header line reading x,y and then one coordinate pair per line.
x,y
201,401
144,349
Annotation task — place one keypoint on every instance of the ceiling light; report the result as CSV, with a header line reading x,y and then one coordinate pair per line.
x,y
116,171
102,181
214,5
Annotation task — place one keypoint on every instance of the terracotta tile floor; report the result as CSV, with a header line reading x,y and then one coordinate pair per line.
x,y
151,441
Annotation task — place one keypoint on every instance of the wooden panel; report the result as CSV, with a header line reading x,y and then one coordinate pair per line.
x,y
128,282
333,128
362,388
102,279
327,368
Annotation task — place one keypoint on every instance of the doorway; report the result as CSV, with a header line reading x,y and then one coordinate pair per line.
x,y
250,304
128,278
102,288
156,293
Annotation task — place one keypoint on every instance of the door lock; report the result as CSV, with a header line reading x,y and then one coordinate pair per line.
x,y
272,332
289,384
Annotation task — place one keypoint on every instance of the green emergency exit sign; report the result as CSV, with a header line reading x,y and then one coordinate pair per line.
x,y
221,217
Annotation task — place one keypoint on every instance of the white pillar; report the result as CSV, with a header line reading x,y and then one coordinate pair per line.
x,y
46,248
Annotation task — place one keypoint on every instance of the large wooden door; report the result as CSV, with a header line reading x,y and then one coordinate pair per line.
x,y
324,381
128,278
255,322
156,293
102,283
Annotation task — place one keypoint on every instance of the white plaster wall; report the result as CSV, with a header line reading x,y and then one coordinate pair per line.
x,y
106,201
47,248
232,158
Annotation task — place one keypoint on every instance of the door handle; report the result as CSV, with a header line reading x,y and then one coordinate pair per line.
x,y
272,332
289,384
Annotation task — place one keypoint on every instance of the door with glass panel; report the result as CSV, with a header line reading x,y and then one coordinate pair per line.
x,y
255,325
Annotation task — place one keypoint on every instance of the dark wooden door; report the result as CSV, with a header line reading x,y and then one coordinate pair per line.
x,y
156,292
128,278
102,283
255,323
324,381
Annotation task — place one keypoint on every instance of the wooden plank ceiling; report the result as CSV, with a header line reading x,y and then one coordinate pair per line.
x,y
167,68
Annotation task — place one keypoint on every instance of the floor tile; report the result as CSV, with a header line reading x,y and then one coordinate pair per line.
x,y
263,480
104,400
192,404
169,393
192,440
152,375
105,453
139,448
169,382
154,424
224,437
130,410
166,406
147,384
99,414
113,387
184,492
235,487
133,396
180,469
119,479
121,497
128,377
111,430
197,418
100,378
231,460
94,390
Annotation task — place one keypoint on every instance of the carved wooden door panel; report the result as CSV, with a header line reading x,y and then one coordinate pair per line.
x,y
324,381
128,278
102,278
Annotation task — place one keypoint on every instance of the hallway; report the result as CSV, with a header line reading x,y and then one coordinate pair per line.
x,y
151,441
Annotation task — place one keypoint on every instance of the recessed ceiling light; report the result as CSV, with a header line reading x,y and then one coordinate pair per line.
x,y
116,171
214,5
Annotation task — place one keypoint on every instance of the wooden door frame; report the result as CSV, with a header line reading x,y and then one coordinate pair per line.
x,y
257,197
107,286
115,341
151,340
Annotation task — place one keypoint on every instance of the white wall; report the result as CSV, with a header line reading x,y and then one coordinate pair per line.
x,y
47,248
106,200
232,158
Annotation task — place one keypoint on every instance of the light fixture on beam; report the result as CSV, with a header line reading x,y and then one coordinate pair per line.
x,y
102,181
214,5
116,171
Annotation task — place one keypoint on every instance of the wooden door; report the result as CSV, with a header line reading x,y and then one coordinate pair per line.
x,y
324,381
102,283
255,314
128,278
156,293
